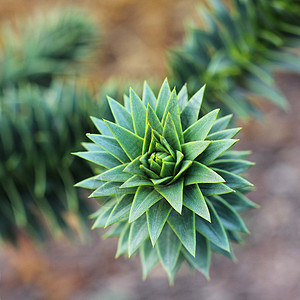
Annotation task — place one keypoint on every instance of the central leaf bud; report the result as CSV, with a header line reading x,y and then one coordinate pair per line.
x,y
161,163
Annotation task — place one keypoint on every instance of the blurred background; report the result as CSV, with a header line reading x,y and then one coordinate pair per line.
x,y
58,61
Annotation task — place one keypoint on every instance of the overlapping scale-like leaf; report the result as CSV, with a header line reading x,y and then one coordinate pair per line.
x,y
173,184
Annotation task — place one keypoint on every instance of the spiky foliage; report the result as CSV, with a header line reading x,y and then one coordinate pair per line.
x,y
237,53
48,46
281,17
172,187
39,129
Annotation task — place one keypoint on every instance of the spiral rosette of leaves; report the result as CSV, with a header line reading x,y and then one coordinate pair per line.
x,y
171,185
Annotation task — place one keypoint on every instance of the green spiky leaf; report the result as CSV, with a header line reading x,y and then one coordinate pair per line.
x,y
157,216
168,248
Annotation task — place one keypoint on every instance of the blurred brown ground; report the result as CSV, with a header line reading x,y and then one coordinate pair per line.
x,y
137,34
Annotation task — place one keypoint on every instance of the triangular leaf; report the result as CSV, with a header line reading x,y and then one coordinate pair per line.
x,y
131,143
213,231
219,250
101,126
148,96
215,149
137,235
89,183
149,172
173,193
168,248
232,180
209,189
115,230
239,202
220,124
165,144
121,210
224,134
153,120
115,174
235,166
235,154
234,236
136,181
91,147
144,198
127,102
157,216
194,200
199,173
190,113
229,218
175,270
149,258
173,109
186,164
167,170
162,99
100,158
138,111
182,98
110,145
104,215
199,130
134,167
147,139
170,134
201,261
123,241
194,149
162,180
179,158
184,227
121,114
110,189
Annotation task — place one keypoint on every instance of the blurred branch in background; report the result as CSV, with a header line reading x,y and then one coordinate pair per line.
x,y
237,52
39,129
56,44
42,121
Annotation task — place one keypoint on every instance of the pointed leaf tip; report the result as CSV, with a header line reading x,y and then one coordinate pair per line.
x,y
173,193
190,112
184,227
